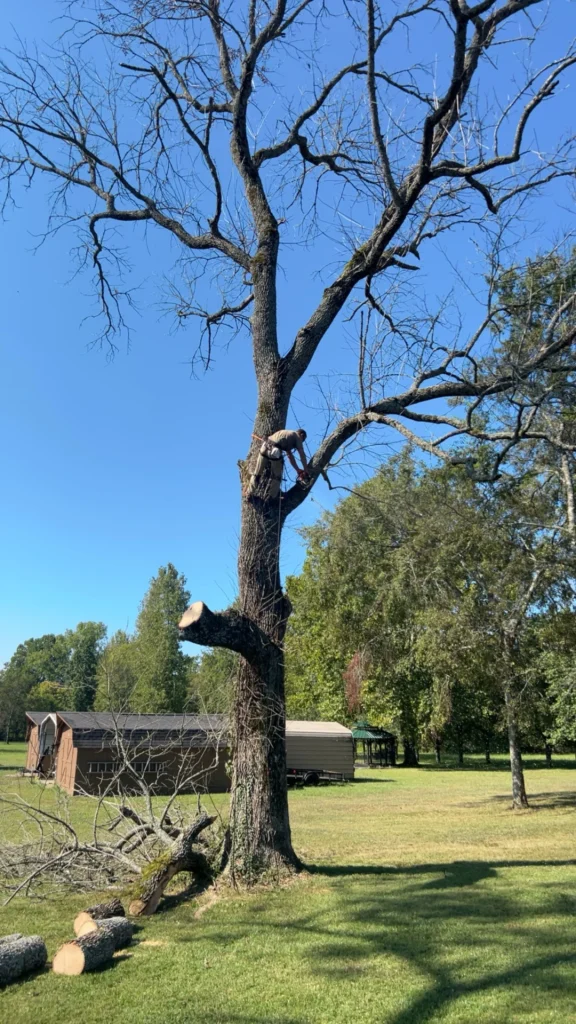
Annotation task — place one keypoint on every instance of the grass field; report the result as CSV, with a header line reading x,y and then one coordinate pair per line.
x,y
427,900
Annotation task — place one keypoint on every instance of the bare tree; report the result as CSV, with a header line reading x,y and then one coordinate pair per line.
x,y
241,129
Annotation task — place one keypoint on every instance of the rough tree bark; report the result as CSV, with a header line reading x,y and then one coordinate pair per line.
x,y
86,953
548,750
120,929
181,857
410,754
519,797
19,955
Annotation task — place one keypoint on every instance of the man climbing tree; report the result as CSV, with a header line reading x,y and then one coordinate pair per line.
x,y
267,475
242,131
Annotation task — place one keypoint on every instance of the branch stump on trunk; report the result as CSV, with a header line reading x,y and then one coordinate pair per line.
x,y
86,953
98,912
20,955
119,928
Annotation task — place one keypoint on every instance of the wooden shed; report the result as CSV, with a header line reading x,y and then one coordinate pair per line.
x,y
92,749
95,749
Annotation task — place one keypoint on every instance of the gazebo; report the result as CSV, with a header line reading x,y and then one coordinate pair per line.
x,y
373,746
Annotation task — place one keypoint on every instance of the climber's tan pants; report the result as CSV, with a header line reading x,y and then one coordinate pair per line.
x,y
266,479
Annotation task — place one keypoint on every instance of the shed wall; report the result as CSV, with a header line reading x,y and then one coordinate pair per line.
x,y
333,753
66,761
32,751
207,765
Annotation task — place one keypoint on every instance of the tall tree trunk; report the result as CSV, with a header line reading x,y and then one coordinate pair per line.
x,y
438,750
548,752
410,754
519,798
260,838
487,752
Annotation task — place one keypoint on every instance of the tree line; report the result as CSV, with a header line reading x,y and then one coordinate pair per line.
x,y
402,612
83,669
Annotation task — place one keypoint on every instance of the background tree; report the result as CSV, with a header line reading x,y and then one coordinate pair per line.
x,y
49,696
357,599
161,138
85,649
116,674
211,681
159,664
37,660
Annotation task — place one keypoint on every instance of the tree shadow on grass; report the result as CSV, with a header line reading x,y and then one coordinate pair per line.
x,y
456,873
498,765
410,923
557,800
444,930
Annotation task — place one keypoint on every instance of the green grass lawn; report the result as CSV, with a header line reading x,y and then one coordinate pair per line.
x,y
427,900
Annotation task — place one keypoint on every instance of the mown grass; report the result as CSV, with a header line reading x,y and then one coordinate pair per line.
x,y
427,900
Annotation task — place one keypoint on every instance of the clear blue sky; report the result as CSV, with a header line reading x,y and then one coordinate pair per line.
x,y
113,468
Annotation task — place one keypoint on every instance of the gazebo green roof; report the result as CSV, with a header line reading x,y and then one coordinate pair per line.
x,y
362,730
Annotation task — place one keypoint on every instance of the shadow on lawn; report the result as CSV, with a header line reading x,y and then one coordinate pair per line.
x,y
428,764
440,936
544,801
457,873
408,922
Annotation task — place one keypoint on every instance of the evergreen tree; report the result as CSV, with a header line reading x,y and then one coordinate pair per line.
x,y
160,665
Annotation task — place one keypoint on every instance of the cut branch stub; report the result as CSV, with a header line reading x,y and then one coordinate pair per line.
x,y
228,629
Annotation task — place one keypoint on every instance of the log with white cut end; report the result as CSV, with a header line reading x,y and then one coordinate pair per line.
x,y
85,953
19,955
119,928
101,910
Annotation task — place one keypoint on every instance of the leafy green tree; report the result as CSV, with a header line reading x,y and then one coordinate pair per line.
x,y
116,674
160,666
357,596
34,661
49,696
85,650
211,681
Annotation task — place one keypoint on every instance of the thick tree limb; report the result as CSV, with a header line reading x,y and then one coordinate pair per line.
x,y
228,629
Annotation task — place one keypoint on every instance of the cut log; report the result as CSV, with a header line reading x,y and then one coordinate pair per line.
x,y
10,938
101,910
119,928
84,954
19,955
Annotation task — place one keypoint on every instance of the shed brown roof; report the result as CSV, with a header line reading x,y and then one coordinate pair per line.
x,y
36,716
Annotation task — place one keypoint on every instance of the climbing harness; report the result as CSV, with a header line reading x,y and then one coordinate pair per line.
x,y
268,449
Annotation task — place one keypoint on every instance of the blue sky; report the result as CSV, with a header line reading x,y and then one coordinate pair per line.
x,y
113,468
